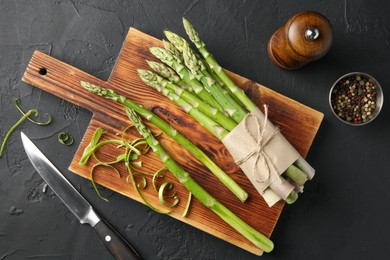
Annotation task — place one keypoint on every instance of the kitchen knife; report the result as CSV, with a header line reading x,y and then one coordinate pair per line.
x,y
76,202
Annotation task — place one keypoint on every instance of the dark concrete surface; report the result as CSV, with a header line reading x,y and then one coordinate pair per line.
x,y
344,212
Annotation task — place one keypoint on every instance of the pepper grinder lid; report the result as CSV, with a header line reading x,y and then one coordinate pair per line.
x,y
309,35
306,37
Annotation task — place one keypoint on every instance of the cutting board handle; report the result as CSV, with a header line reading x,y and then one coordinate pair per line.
x,y
63,81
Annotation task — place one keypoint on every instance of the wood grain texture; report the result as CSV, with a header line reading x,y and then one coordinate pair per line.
x,y
297,122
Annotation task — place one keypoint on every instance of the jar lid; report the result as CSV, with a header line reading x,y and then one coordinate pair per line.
x,y
309,35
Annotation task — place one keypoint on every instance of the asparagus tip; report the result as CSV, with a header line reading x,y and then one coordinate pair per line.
x,y
145,75
187,25
141,72
165,43
154,49
174,38
83,83
90,87
185,21
166,31
158,52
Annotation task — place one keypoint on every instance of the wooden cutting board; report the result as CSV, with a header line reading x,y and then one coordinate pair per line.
x,y
297,122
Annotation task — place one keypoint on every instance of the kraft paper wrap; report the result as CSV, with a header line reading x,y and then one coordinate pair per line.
x,y
260,150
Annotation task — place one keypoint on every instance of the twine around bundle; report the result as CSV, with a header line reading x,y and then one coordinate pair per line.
x,y
258,149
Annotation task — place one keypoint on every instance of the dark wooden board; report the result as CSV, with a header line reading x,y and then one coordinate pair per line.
x,y
298,123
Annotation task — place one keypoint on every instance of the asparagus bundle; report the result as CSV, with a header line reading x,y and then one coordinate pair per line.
x,y
167,129
219,130
201,194
207,76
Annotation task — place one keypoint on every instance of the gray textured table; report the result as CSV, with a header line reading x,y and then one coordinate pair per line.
x,y
343,213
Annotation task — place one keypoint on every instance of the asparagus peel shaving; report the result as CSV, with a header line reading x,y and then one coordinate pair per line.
x,y
132,150
17,102
167,129
25,115
197,191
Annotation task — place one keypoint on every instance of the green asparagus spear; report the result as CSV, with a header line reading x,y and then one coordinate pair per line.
x,y
198,192
194,37
168,73
213,64
178,43
186,75
166,128
199,70
155,81
164,71
163,86
169,47
158,83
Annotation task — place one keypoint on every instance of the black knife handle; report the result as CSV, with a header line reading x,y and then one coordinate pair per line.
x,y
114,242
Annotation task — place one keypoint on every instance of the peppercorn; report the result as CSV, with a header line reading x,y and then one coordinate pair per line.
x,y
354,99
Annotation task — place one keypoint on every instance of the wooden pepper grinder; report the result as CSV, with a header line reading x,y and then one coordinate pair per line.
x,y
306,37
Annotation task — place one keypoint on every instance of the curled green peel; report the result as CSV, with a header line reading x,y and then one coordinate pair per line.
x,y
24,117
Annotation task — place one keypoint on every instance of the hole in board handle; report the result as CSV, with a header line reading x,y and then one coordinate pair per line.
x,y
42,71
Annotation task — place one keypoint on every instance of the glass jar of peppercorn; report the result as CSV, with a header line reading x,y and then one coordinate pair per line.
x,y
356,98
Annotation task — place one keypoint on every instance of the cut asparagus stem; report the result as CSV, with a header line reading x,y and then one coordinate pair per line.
x,y
271,197
292,197
226,101
198,192
194,37
296,175
186,75
282,187
159,83
305,167
179,138
155,81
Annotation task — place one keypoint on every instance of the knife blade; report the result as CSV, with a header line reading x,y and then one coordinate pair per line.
x,y
76,203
